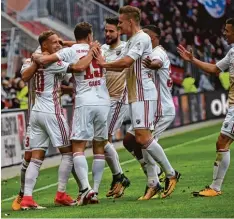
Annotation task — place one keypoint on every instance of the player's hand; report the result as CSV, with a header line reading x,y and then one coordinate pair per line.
x,y
185,54
146,62
95,44
36,58
100,59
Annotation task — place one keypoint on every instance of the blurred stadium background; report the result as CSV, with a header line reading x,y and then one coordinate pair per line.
x,y
196,24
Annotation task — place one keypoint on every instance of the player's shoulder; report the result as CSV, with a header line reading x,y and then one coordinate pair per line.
x,y
105,47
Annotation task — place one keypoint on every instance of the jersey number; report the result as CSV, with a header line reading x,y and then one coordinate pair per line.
x,y
40,82
94,70
169,81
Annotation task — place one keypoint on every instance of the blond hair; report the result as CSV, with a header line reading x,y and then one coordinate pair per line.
x,y
131,12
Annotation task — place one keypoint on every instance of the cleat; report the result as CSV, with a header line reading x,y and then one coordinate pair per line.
x,y
28,203
125,183
118,187
94,199
207,192
17,201
152,191
64,199
162,176
85,197
141,198
170,184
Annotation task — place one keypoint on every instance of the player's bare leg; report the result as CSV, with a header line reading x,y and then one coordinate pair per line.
x,y
31,175
221,165
119,179
65,167
81,168
17,201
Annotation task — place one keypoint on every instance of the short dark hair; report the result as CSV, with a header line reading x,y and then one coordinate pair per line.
x,y
82,30
132,12
154,29
45,35
112,20
230,21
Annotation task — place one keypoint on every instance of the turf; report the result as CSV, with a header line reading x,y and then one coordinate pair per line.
x,y
191,153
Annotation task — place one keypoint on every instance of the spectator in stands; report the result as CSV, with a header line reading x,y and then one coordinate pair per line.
x,y
22,94
205,84
189,84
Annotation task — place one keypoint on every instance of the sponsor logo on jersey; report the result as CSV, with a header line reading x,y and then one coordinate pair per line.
x,y
94,83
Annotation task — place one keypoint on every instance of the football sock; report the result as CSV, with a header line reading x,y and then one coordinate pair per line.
x,y
31,175
221,165
157,153
152,175
112,159
75,176
97,170
64,171
81,168
22,175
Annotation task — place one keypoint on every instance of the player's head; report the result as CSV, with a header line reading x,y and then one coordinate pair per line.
x,y
129,16
49,42
229,30
83,32
154,33
111,30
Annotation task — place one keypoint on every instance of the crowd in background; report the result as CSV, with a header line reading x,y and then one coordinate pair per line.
x,y
182,22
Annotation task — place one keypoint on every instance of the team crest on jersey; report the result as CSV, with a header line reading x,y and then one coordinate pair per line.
x,y
118,53
138,121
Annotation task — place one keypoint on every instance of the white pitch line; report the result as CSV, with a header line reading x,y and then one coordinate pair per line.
x,y
125,162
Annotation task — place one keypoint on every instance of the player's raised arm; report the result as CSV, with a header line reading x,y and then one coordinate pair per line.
x,y
188,56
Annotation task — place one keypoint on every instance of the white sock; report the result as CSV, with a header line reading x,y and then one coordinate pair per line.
x,y
152,175
64,171
81,168
112,159
156,151
31,175
22,175
220,168
97,169
75,177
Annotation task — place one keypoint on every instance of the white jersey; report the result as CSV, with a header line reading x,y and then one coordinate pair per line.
x,y
163,83
115,81
90,85
139,79
31,84
48,87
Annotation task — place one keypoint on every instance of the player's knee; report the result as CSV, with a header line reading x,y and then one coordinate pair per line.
x,y
98,146
27,156
223,142
38,154
143,137
65,150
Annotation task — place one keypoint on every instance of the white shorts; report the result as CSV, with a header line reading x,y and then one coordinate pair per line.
x,y
228,124
161,124
46,128
27,139
142,114
90,122
117,114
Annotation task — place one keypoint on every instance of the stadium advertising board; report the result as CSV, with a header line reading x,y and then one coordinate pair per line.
x,y
12,137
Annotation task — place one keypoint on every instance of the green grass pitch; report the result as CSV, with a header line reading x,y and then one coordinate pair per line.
x,y
191,153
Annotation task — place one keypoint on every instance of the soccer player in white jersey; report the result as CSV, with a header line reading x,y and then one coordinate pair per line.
x,y
91,109
116,85
226,135
165,112
48,124
27,71
142,94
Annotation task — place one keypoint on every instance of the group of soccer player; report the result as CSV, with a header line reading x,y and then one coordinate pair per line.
x,y
110,82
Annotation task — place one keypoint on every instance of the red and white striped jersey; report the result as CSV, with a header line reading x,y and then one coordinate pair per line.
x,y
48,87
115,81
90,85
163,83
139,79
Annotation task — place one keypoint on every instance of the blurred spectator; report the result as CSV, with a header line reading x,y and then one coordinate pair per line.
x,y
205,84
22,94
189,84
